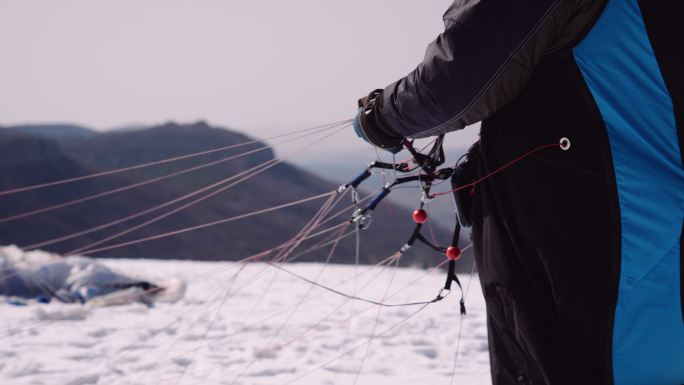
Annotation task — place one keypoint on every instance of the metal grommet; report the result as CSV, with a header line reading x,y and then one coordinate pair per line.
x,y
565,144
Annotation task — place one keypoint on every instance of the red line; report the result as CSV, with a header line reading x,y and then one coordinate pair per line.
x,y
498,170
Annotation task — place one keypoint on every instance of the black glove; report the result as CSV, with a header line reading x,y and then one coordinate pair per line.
x,y
371,127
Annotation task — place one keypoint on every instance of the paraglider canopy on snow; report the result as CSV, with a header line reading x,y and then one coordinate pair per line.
x,y
71,280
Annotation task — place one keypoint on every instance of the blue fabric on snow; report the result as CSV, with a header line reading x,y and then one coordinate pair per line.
x,y
620,68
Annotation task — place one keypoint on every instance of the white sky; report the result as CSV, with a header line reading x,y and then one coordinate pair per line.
x,y
257,66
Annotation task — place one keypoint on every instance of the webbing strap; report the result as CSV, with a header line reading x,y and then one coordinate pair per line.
x,y
452,277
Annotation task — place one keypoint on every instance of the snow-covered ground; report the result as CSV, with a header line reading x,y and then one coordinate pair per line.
x,y
265,327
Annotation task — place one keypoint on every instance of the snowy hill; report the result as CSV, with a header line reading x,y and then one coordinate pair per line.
x,y
263,327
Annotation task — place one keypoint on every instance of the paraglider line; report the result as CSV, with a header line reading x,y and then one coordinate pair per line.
x,y
136,185
168,160
498,170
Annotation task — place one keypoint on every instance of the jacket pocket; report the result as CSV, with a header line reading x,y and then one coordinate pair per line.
x,y
462,182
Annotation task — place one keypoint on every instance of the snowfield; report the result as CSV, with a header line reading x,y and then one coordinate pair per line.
x,y
264,327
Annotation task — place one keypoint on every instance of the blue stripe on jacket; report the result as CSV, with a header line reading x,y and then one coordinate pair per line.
x,y
619,66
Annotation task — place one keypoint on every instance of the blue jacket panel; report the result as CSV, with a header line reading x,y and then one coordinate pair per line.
x,y
621,70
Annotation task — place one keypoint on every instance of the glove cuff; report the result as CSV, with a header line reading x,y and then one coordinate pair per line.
x,y
375,128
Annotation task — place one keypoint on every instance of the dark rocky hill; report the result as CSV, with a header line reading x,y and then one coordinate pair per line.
x,y
30,156
53,130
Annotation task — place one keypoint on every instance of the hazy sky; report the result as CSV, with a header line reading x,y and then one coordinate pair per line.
x,y
257,66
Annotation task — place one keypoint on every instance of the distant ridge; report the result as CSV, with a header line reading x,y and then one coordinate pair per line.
x,y
53,131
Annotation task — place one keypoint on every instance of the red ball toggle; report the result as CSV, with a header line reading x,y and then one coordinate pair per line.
x,y
420,216
453,253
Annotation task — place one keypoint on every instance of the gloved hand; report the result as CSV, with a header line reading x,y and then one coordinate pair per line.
x,y
370,126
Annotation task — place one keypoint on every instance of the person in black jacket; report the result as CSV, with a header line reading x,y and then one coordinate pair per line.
x,y
579,252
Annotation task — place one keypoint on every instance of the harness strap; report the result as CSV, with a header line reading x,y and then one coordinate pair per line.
x,y
452,277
